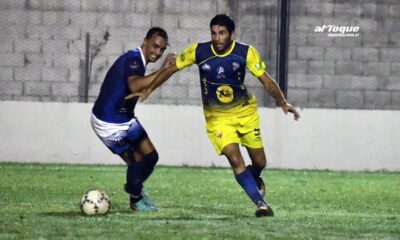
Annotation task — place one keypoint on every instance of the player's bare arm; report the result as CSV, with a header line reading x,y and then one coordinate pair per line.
x,y
137,83
160,78
273,89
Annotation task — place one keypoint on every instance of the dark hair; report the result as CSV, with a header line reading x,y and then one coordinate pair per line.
x,y
158,32
223,20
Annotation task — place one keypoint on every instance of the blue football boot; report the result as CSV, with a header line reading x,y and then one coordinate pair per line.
x,y
142,206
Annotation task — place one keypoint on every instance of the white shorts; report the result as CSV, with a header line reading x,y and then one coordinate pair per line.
x,y
118,137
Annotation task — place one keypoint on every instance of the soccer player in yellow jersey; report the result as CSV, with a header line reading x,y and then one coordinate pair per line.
x,y
230,109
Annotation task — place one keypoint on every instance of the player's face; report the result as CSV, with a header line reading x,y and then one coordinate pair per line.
x,y
154,48
221,38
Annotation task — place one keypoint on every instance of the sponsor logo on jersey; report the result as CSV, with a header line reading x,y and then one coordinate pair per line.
x,y
122,110
235,66
205,89
225,94
182,57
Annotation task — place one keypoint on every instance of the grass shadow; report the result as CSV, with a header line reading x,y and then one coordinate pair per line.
x,y
155,216
63,214
207,210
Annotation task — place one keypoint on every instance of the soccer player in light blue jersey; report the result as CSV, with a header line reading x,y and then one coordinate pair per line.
x,y
229,108
114,121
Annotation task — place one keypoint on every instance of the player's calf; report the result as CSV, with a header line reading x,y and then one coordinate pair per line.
x,y
259,181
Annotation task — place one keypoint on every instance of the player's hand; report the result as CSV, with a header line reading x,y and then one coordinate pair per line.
x,y
142,95
286,107
169,60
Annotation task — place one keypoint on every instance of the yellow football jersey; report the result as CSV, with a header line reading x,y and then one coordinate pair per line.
x,y
222,76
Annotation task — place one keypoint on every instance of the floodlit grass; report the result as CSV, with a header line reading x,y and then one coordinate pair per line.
x,y
41,202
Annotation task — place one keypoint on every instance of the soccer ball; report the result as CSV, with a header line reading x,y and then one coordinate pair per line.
x,y
95,202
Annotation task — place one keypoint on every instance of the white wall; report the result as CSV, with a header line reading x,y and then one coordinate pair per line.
x,y
322,139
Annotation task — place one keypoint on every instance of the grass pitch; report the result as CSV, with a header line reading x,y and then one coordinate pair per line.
x,y
41,202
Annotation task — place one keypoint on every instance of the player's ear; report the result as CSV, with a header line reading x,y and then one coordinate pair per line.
x,y
145,41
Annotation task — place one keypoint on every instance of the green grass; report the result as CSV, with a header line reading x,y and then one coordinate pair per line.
x,y
41,202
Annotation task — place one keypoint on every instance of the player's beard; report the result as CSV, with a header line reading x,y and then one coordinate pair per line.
x,y
222,48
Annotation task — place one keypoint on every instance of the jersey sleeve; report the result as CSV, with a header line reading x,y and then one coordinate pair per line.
x,y
187,57
254,62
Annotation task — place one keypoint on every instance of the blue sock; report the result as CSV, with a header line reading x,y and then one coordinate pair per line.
x,y
134,182
138,172
149,162
246,180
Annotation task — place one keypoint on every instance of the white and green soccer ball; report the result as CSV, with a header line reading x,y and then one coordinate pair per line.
x,y
95,202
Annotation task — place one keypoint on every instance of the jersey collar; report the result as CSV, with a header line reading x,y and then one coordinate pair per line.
x,y
225,54
143,59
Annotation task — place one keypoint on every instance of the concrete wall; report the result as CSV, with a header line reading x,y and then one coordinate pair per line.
x,y
43,47
336,71
322,139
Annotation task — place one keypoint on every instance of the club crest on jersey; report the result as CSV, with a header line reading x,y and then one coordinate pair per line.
x,y
259,64
134,65
235,66
205,67
220,72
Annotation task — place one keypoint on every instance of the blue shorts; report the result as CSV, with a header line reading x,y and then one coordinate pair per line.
x,y
121,140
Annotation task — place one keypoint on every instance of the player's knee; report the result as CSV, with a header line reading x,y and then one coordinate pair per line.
x,y
237,164
260,161
151,159
262,164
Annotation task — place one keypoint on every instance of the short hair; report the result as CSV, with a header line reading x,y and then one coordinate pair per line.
x,y
158,32
223,20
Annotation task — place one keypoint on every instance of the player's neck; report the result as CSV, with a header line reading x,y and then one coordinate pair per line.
x,y
226,51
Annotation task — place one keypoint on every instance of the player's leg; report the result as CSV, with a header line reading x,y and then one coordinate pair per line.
x,y
250,137
232,152
245,178
148,162
137,173
132,146
149,156
259,161
143,157
133,184
144,150
224,136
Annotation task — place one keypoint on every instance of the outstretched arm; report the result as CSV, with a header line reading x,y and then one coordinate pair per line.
x,y
137,83
273,89
159,79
